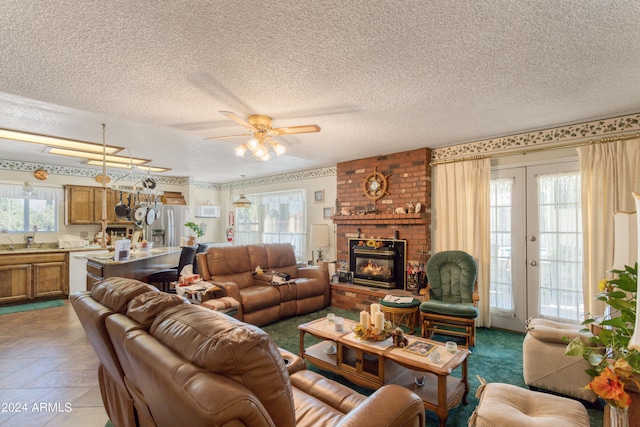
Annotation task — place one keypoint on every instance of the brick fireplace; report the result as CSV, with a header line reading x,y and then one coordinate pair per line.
x,y
408,183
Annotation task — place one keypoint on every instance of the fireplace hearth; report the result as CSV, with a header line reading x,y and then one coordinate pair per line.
x,y
379,263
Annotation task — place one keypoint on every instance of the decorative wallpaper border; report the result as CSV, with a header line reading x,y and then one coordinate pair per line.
x,y
287,177
115,175
86,172
596,129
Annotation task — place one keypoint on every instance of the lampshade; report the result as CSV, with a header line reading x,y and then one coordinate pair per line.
x,y
242,202
320,235
625,240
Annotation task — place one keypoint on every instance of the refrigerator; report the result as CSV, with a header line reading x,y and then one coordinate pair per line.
x,y
169,228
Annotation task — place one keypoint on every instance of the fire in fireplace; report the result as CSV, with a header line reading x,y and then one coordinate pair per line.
x,y
381,264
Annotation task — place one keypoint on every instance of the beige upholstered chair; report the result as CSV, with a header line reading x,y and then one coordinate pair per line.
x,y
544,364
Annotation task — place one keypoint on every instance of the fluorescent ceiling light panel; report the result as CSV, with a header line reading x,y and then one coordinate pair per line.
x,y
53,141
98,156
107,164
153,168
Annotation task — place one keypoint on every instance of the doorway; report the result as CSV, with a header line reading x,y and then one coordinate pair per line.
x,y
536,245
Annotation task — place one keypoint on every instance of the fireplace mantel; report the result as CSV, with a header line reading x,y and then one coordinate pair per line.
x,y
387,219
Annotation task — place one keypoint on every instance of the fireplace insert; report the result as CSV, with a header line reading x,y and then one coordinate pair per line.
x,y
380,263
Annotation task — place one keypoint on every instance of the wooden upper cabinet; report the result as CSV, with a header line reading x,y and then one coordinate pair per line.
x,y
84,205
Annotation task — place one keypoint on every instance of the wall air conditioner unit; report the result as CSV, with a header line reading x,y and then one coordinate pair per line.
x,y
207,211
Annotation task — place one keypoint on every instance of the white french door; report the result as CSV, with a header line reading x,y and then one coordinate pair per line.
x,y
536,245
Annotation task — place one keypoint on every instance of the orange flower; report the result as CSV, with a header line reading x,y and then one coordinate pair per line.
x,y
608,386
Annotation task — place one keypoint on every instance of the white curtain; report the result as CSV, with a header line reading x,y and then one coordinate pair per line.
x,y
462,218
12,190
609,174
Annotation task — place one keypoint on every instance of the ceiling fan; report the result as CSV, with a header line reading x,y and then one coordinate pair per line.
x,y
261,132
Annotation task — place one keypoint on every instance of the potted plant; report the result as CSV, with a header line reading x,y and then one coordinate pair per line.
x,y
615,365
196,233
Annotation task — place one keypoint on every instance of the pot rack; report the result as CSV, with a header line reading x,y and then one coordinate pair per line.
x,y
138,189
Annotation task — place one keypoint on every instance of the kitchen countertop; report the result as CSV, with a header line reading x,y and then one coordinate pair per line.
x,y
135,255
40,250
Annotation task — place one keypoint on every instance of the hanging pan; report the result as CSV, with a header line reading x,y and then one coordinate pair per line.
x,y
122,210
139,211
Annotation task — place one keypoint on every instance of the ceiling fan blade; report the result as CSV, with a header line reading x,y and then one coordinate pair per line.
x,y
239,120
229,136
295,129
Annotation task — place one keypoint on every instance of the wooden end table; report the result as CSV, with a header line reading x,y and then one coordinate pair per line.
x,y
374,364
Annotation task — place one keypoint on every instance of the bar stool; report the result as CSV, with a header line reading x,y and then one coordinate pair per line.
x,y
169,275
402,311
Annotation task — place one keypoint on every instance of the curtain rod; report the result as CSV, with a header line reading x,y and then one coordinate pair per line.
x,y
579,143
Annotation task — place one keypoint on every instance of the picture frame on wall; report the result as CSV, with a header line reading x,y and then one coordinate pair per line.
x,y
326,213
318,196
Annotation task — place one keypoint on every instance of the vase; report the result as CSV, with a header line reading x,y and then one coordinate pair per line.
x,y
618,417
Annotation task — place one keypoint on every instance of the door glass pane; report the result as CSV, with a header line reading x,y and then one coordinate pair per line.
x,y
560,237
502,302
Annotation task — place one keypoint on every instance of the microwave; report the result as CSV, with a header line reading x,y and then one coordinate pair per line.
x,y
207,211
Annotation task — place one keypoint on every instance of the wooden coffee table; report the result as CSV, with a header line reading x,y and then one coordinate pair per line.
x,y
374,364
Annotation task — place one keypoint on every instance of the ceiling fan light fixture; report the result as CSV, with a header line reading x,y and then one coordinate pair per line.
x,y
261,151
241,150
253,144
261,134
278,148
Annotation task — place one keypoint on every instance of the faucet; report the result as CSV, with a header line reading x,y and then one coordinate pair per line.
x,y
12,246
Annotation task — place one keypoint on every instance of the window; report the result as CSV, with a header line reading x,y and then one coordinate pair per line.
x,y
23,211
278,217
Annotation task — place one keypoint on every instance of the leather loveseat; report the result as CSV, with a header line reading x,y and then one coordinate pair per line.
x,y
233,268
182,364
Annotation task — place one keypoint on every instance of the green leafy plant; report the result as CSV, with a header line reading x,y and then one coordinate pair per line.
x,y
195,228
614,364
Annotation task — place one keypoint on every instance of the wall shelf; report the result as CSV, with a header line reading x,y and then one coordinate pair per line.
x,y
382,219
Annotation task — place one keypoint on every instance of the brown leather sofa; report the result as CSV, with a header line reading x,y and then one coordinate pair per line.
x,y
233,269
183,364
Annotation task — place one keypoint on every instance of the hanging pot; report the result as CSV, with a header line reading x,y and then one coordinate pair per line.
x,y
122,210
139,211
149,183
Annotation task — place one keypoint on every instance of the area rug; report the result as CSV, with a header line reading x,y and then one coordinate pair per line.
x,y
31,306
497,357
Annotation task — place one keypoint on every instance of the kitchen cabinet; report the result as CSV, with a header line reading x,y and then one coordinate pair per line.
x,y
33,276
84,205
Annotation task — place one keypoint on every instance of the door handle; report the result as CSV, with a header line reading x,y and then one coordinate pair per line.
x,y
533,263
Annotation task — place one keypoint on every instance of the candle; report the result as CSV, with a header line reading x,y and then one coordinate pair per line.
x,y
364,318
379,320
374,309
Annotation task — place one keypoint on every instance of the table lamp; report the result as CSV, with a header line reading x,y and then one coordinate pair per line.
x,y
319,238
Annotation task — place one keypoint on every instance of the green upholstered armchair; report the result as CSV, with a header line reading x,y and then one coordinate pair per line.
x,y
450,306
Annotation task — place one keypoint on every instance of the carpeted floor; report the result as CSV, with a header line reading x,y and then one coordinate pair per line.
x,y
497,357
31,306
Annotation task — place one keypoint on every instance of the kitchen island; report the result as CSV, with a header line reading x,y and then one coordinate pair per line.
x,y
139,265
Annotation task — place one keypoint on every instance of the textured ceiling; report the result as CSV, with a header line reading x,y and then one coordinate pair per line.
x,y
377,77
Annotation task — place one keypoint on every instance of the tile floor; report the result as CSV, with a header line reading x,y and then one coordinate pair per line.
x,y
48,371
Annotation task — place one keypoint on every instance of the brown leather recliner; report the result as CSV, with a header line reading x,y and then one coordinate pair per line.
x,y
233,269
92,308
199,367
